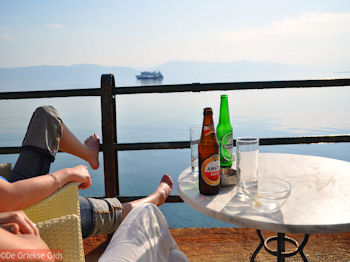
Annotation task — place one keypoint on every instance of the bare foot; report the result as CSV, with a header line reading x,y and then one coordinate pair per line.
x,y
163,190
92,144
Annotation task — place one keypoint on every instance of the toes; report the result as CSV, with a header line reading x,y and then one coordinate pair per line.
x,y
166,179
93,139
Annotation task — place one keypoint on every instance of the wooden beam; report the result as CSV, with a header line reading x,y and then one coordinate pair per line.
x,y
170,199
186,144
109,136
229,86
194,87
50,93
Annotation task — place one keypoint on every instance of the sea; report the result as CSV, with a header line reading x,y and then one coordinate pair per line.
x,y
284,112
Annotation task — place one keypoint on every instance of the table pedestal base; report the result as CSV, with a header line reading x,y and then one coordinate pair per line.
x,y
280,252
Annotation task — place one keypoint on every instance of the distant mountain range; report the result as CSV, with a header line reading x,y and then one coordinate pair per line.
x,y
59,77
46,77
232,71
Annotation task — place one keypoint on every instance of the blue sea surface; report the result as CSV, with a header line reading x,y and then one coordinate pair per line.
x,y
168,117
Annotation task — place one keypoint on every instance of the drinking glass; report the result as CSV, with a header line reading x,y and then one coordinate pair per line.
x,y
247,160
195,136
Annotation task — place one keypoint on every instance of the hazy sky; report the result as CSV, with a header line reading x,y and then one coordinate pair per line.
x,y
150,32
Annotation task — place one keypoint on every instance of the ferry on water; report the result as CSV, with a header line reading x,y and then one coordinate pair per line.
x,y
149,75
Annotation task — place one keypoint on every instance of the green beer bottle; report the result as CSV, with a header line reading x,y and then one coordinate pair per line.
x,y
224,134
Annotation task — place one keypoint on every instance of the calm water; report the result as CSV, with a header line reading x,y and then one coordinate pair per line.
x,y
167,117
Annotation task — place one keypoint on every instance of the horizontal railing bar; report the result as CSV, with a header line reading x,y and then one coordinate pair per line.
x,y
9,150
16,149
122,147
186,144
195,87
170,199
304,140
51,93
198,87
263,142
155,145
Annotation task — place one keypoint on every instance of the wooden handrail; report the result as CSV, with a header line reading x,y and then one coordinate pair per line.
x,y
198,87
194,87
186,144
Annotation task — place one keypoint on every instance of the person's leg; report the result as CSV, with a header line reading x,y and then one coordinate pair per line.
x,y
86,217
158,197
40,144
143,236
108,213
87,151
39,147
46,134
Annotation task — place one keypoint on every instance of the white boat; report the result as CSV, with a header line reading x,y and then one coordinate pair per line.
x,y
149,75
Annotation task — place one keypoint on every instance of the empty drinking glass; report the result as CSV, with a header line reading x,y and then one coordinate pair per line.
x,y
195,136
247,160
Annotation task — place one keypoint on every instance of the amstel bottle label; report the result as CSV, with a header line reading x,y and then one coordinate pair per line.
x,y
211,170
227,147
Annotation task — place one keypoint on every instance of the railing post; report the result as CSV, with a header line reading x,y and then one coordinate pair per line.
x,y
109,135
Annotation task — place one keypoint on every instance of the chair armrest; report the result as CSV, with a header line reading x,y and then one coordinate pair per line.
x,y
64,233
63,202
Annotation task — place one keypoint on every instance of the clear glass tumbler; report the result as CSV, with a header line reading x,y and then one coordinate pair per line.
x,y
247,152
195,136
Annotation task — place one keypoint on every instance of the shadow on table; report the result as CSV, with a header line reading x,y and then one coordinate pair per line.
x,y
240,207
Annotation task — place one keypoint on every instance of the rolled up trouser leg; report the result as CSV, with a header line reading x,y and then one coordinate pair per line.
x,y
40,144
44,131
107,213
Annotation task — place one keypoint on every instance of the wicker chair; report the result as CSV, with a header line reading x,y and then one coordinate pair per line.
x,y
58,219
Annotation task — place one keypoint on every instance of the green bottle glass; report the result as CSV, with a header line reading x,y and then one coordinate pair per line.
x,y
224,134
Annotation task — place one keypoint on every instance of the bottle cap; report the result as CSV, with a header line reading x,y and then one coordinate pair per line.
x,y
207,110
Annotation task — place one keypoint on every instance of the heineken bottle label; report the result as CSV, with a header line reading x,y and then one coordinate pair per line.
x,y
227,147
211,170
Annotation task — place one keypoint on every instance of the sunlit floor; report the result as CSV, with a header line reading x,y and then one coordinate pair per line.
x,y
237,244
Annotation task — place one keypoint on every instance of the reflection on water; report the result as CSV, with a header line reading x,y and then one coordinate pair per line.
x,y
149,82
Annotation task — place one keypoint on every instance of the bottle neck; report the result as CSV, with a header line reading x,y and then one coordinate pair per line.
x,y
208,118
224,112
208,123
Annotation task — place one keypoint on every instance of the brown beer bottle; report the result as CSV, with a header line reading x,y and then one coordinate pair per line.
x,y
208,157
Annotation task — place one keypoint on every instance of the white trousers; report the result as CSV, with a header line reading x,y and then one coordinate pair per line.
x,y
143,236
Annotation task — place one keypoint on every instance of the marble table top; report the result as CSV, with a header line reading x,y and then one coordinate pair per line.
x,y
319,201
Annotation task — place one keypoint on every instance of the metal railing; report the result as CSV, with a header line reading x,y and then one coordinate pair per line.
x,y
111,147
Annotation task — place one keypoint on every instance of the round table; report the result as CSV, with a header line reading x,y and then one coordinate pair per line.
x,y
319,201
